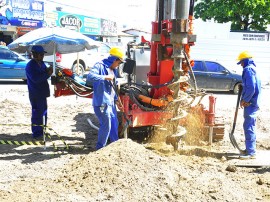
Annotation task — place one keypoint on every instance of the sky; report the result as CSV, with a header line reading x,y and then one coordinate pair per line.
x,y
133,13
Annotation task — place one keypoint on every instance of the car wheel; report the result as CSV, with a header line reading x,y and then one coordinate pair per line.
x,y
236,88
79,71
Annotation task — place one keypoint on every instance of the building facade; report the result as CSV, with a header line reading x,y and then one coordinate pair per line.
x,y
18,17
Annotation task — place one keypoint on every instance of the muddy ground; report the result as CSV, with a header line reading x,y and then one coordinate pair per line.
x,y
124,170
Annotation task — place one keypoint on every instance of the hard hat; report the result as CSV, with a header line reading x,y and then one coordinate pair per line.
x,y
38,49
117,52
243,55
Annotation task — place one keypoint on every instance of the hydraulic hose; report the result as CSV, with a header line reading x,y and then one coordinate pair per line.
x,y
70,84
154,102
156,86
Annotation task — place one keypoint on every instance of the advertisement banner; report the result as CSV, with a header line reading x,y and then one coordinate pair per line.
x,y
108,28
249,36
83,24
22,13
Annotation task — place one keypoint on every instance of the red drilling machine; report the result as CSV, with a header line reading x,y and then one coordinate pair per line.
x,y
157,93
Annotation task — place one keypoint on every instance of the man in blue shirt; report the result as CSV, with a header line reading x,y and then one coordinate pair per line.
x,y
101,77
38,87
250,101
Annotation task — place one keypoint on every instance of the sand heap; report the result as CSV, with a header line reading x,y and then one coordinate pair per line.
x,y
127,171
124,170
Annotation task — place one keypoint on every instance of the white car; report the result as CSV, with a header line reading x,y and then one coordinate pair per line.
x,y
86,58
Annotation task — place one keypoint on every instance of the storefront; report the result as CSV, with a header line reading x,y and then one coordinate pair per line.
x,y
7,33
15,14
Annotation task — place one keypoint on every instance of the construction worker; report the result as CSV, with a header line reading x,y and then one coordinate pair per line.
x,y
102,78
250,102
38,87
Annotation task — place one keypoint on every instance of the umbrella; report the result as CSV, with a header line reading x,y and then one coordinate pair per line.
x,y
53,39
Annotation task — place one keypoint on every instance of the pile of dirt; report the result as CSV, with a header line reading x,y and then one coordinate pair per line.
x,y
127,171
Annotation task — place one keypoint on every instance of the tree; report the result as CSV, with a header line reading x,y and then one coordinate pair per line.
x,y
243,14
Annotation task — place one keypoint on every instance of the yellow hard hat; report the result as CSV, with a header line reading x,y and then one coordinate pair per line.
x,y
117,52
243,55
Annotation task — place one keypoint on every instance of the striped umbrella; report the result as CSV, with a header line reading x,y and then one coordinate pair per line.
x,y
53,40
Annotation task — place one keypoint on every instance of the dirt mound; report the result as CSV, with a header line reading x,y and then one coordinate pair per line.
x,y
124,170
127,171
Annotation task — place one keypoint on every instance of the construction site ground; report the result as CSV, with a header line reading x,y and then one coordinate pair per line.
x,y
124,170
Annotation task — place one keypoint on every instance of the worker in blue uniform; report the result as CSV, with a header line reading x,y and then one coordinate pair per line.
x,y
37,75
102,77
250,101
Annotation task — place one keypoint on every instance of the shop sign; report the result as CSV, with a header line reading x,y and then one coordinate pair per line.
x,y
3,28
71,22
249,36
50,19
23,13
108,27
7,28
23,30
255,36
84,24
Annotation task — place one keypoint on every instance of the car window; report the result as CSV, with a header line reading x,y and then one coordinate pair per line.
x,y
93,50
198,66
104,49
214,67
5,54
2,54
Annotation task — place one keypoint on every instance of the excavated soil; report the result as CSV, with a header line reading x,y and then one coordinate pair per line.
x,y
124,170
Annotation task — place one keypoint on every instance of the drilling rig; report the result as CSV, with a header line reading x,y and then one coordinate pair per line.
x,y
159,71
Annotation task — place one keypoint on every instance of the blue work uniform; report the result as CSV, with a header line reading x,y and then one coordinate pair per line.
x,y
251,94
38,88
104,99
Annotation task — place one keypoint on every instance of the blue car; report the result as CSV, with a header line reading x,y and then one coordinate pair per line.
x,y
12,64
212,76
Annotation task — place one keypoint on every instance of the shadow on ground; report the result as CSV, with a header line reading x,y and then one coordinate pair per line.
x,y
12,82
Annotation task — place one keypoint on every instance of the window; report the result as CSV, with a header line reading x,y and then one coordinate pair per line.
x,y
93,50
2,54
5,54
214,67
104,49
198,66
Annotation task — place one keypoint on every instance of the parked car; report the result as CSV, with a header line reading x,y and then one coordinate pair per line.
x,y
12,64
212,76
87,58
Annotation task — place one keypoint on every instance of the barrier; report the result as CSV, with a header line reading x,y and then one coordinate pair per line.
x,y
37,143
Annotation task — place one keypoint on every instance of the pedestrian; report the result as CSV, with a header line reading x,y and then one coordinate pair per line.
x,y
250,101
37,75
102,77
